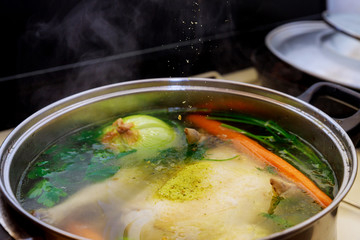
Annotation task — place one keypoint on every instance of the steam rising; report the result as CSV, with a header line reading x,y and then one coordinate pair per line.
x,y
112,40
98,28
91,29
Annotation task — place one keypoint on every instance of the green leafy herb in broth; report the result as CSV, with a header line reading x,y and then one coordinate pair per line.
x,y
68,165
182,154
103,164
46,193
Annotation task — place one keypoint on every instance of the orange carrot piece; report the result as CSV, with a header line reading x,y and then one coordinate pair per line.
x,y
249,146
83,231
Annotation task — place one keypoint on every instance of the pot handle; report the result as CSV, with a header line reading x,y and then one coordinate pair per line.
x,y
339,92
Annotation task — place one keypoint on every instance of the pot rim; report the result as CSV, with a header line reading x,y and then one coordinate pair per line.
x,y
91,95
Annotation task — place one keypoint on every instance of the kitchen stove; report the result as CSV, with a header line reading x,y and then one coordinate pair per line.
x,y
348,218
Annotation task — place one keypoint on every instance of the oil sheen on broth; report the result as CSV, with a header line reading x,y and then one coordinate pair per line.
x,y
154,176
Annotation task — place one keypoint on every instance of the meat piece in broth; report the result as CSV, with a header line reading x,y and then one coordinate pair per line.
x,y
229,193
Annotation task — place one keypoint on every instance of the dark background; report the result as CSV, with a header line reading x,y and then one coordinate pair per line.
x,y
52,49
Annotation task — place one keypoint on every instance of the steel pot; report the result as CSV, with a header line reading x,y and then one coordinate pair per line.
x,y
74,112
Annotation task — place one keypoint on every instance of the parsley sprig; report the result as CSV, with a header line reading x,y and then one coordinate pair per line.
x,y
82,157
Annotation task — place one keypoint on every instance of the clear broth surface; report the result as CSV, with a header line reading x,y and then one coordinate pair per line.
x,y
175,190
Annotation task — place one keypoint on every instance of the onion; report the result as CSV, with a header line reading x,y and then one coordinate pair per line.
x,y
140,133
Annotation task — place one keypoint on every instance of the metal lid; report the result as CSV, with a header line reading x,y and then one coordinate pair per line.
x,y
344,22
319,50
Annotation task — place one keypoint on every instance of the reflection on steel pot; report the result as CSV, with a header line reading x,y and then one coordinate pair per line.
x,y
32,136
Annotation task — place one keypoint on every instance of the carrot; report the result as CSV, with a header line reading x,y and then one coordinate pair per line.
x,y
245,144
83,231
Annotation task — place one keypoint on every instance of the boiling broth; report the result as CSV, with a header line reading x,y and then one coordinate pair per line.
x,y
166,186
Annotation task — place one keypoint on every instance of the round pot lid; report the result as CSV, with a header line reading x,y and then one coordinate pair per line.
x,y
344,22
319,50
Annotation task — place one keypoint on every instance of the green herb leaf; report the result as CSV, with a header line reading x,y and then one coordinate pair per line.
x,y
103,164
167,156
269,169
98,172
89,136
47,194
275,200
177,155
39,170
221,160
37,190
123,154
102,156
196,151
280,221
